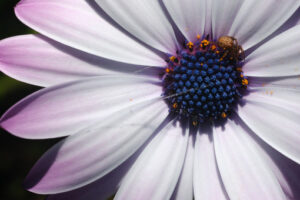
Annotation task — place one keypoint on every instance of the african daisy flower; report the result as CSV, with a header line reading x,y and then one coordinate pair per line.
x,y
171,99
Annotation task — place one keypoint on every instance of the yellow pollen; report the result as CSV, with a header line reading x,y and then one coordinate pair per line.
x,y
172,58
175,105
198,37
190,45
223,115
217,52
213,47
204,43
245,82
241,75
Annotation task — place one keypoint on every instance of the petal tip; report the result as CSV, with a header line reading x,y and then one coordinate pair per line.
x,y
31,184
18,9
21,2
33,188
36,180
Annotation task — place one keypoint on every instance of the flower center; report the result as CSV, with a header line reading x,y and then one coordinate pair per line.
x,y
204,81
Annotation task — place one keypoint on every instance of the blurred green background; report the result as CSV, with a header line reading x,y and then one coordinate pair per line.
x,y
17,155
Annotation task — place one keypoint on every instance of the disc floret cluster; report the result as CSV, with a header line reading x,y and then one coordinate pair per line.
x,y
204,81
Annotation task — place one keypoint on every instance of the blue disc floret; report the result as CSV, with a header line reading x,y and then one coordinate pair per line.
x,y
204,81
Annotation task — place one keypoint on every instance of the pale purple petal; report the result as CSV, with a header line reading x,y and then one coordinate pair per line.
x,y
279,175
64,109
143,19
207,181
184,188
250,21
208,16
36,60
101,189
277,57
77,24
281,166
245,172
273,114
157,170
189,16
277,91
96,150
289,83
290,23
287,172
223,14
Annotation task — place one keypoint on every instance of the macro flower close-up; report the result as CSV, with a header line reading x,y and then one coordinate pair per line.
x,y
159,99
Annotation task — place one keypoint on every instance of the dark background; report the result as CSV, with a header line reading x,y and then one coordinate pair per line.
x,y
17,155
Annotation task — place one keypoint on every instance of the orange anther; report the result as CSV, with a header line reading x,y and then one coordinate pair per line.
x,y
198,37
175,105
195,123
167,70
213,47
190,45
172,58
204,43
223,115
245,82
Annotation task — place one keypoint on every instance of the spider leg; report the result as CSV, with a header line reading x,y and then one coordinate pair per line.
x,y
224,55
241,52
235,43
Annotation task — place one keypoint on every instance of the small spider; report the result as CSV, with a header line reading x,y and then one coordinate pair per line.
x,y
231,48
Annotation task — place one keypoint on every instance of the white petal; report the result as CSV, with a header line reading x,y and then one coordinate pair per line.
x,y
184,188
289,82
143,19
244,171
277,57
273,114
157,170
250,21
38,60
223,15
278,173
189,16
207,181
77,24
287,172
64,109
283,92
96,150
